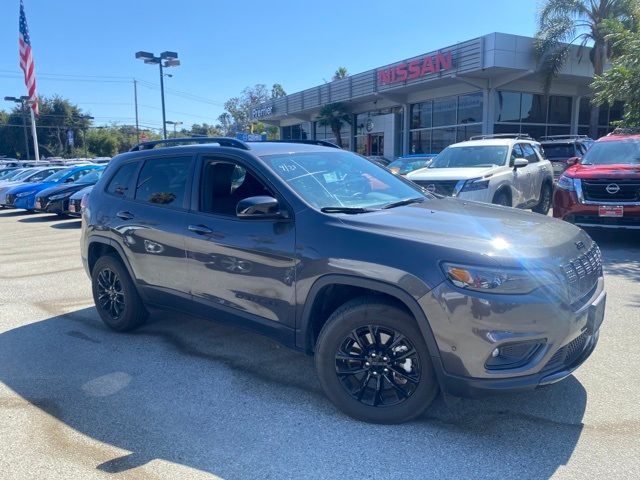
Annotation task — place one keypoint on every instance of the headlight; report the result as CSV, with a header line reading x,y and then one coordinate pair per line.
x,y
566,183
25,194
475,184
490,280
60,195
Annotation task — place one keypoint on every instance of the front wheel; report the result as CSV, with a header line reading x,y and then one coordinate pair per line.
x,y
502,198
373,363
544,204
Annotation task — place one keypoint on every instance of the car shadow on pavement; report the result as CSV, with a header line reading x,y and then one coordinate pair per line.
x,y
620,252
235,404
14,213
39,218
69,224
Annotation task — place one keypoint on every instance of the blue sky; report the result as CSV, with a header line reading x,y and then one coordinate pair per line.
x,y
84,49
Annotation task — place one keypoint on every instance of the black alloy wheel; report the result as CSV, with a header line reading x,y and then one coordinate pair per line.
x,y
378,366
110,293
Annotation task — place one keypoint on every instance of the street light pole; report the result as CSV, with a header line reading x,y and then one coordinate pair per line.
x,y
23,114
166,59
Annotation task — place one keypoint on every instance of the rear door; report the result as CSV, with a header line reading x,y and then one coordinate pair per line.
x,y
535,172
243,266
521,180
151,223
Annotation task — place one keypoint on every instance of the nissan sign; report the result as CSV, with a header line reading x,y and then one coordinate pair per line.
x,y
412,69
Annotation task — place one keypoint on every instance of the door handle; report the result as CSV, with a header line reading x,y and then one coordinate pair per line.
x,y
200,229
124,215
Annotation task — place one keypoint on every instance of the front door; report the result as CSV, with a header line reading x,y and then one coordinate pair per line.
x,y
244,266
375,145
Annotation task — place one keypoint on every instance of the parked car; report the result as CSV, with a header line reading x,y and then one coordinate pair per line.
x,y
298,249
564,150
505,170
409,163
603,189
74,207
8,172
56,199
28,177
23,196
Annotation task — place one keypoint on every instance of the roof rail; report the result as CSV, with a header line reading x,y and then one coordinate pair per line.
x,y
625,131
565,137
222,141
525,136
322,143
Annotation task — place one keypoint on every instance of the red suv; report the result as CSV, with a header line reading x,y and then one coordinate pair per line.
x,y
603,189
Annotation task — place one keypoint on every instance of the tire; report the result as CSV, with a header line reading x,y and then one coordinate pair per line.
x,y
544,204
123,310
396,396
501,198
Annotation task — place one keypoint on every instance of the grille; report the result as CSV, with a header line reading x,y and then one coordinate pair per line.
x,y
582,273
569,353
443,187
596,190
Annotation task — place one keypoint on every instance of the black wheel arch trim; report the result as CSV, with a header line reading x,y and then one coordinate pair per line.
x,y
304,331
123,258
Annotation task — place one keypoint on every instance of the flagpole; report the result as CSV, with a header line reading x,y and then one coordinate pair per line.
x,y
34,134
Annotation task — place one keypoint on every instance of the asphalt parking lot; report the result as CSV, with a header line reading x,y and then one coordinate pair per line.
x,y
187,398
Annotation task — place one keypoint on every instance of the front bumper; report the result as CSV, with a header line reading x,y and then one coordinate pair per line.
x,y
51,206
468,328
567,207
24,203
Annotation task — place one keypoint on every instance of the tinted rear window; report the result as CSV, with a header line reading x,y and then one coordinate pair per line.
x,y
121,181
163,181
559,151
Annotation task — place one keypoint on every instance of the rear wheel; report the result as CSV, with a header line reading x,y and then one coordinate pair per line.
x,y
544,204
373,363
115,296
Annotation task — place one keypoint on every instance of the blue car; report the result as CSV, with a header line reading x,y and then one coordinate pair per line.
x,y
24,196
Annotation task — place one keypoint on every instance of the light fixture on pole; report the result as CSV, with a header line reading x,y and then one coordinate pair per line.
x,y
165,60
22,101
175,124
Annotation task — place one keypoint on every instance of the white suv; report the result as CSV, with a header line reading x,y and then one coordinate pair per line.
x,y
502,169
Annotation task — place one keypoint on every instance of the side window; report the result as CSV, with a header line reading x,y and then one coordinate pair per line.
x,y
529,153
581,149
163,181
516,152
224,184
120,182
40,176
80,173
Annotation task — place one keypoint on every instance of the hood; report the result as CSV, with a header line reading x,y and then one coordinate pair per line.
x,y
81,193
452,173
477,232
617,171
64,188
24,187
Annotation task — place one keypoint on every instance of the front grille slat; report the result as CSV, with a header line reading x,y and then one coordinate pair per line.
x,y
442,187
582,273
596,190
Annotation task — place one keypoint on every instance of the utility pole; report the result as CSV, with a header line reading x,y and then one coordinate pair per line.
x,y
135,97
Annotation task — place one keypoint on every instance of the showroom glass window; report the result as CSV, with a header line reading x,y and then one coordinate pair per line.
x,y
301,131
531,113
438,123
606,116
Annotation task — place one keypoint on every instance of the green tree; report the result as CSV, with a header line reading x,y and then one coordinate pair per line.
x,y
204,129
622,80
564,22
340,73
103,142
277,91
334,116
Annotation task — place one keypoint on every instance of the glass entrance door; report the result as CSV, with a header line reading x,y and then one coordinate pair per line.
x,y
375,145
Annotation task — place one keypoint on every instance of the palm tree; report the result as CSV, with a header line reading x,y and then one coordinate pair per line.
x,y
340,73
333,115
564,22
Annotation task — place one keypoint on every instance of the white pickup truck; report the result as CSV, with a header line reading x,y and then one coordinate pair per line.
x,y
505,170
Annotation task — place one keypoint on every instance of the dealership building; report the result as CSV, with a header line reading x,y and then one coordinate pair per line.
x,y
422,104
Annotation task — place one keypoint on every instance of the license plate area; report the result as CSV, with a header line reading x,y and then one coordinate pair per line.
x,y
38,205
611,211
72,207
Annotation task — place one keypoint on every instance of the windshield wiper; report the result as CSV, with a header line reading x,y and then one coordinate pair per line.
x,y
346,210
406,201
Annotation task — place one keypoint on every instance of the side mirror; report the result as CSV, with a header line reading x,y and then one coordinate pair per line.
x,y
520,162
573,160
69,180
261,206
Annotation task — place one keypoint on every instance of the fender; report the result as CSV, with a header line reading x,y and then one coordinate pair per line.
x,y
303,332
123,258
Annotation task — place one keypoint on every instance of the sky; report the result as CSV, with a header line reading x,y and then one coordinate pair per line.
x,y
84,49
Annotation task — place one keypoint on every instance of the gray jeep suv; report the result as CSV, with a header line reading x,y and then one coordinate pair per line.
x,y
397,293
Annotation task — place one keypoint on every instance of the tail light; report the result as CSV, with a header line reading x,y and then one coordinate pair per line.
x,y
84,203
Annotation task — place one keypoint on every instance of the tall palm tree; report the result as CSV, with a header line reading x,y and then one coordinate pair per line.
x,y
333,115
340,73
565,22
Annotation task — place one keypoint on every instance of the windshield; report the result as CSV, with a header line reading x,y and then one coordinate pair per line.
x,y
23,174
8,174
559,151
408,165
613,152
341,179
90,178
478,156
57,176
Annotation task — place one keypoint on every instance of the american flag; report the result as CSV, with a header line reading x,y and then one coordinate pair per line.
x,y
26,60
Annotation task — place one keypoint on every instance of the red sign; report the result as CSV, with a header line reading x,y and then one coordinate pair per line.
x,y
417,68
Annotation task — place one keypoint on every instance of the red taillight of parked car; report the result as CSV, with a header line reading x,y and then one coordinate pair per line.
x,y
84,203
